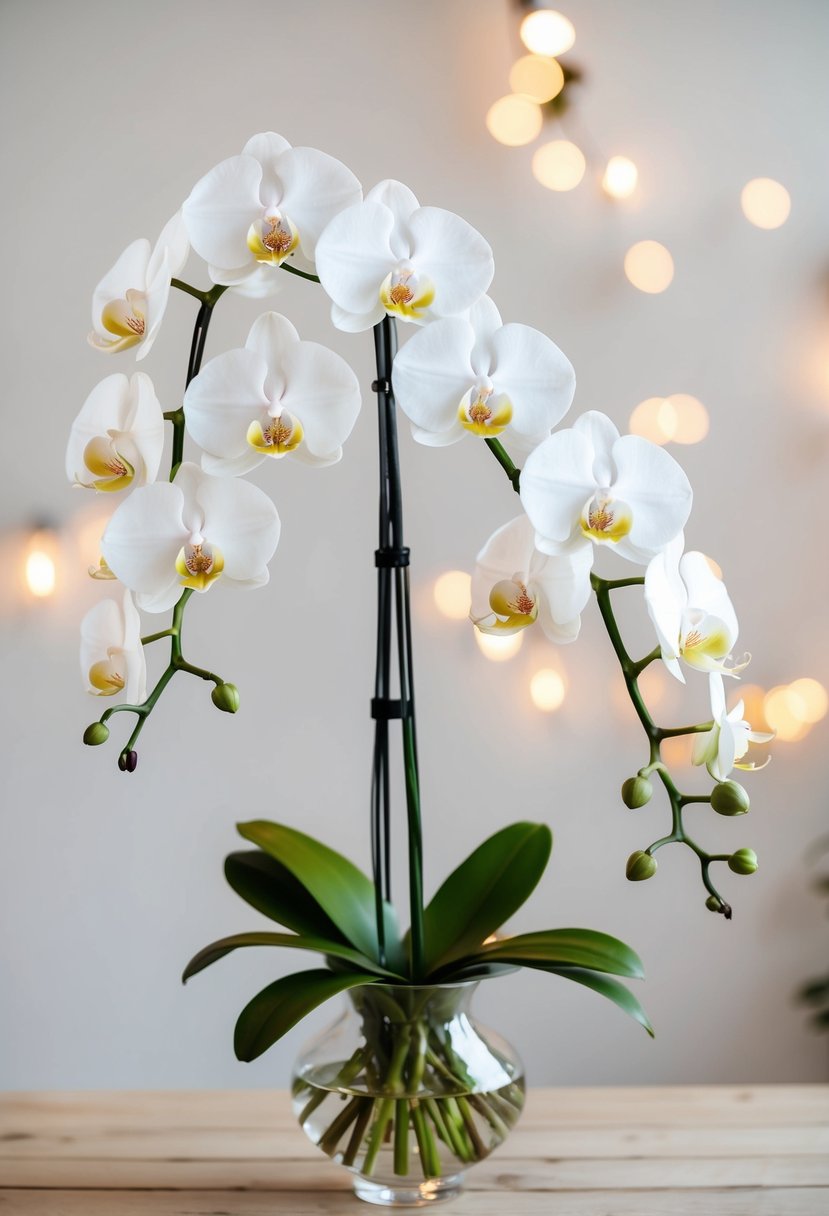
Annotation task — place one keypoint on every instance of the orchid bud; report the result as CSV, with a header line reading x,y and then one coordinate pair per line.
x,y
95,734
729,798
636,792
128,761
713,904
226,697
744,861
640,866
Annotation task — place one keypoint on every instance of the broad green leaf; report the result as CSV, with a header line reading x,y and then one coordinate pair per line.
x,y
343,892
271,888
215,951
567,947
484,891
277,1008
605,986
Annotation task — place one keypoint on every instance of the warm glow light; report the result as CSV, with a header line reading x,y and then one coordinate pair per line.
x,y
812,699
649,266
451,594
546,32
676,752
539,78
514,120
499,648
559,165
685,418
654,685
620,177
40,565
783,710
647,420
765,203
547,689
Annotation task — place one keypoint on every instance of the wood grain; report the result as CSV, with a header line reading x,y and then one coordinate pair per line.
x,y
672,1151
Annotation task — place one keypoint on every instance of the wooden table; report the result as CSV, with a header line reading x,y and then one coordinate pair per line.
x,y
673,1151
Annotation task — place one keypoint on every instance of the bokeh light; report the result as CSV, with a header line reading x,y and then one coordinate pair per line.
x,y
765,203
559,165
547,689
646,420
499,647
41,575
649,266
811,699
541,79
452,594
547,32
685,418
783,710
514,120
620,177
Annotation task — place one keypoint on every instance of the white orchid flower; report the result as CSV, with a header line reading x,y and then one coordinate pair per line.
x,y
189,533
390,255
514,585
474,375
112,657
118,437
251,212
722,748
586,487
128,304
691,612
277,396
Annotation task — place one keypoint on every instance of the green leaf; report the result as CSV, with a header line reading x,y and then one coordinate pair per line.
x,y
569,948
484,891
335,884
271,889
215,951
605,986
277,1008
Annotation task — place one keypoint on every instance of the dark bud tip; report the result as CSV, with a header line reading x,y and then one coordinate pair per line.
x,y
128,761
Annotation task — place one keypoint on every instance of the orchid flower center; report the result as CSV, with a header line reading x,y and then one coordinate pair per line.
x,y
514,605
405,293
199,564
276,435
484,412
705,643
126,318
106,677
272,238
605,518
101,571
110,470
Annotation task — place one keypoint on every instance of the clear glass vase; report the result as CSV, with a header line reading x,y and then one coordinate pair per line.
x,y
408,1091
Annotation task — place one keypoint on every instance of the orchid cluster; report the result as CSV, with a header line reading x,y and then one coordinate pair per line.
x,y
463,374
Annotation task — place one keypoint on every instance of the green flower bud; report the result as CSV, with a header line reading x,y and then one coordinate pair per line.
x,y
640,866
744,861
713,904
636,792
226,697
95,734
729,798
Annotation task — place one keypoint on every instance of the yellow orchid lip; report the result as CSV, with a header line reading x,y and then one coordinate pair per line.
x,y
406,294
278,437
605,518
198,565
125,319
111,471
514,607
105,677
485,413
272,239
101,571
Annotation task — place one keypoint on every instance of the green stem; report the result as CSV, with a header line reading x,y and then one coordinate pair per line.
x,y
156,637
401,1137
303,274
502,456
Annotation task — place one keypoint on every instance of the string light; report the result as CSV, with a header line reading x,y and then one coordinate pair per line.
x,y
547,32
620,177
559,165
452,594
499,647
765,203
547,689
539,78
649,266
514,120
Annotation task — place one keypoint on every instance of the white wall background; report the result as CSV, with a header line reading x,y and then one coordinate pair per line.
x,y
108,882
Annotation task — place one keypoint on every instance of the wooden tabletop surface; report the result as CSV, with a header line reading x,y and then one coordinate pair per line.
x,y
668,1151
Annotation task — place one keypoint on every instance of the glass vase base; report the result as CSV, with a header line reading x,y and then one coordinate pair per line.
x,y
422,1195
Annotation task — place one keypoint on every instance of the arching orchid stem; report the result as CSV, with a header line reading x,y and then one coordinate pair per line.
x,y
675,732
188,288
156,637
303,274
502,456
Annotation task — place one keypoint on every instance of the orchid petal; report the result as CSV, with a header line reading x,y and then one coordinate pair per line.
x,y
565,584
655,488
271,337
128,274
399,199
267,147
242,522
432,373
453,255
665,598
106,408
706,591
220,210
556,481
146,424
356,322
316,187
324,393
508,552
142,540
173,246
222,400
353,256
536,376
